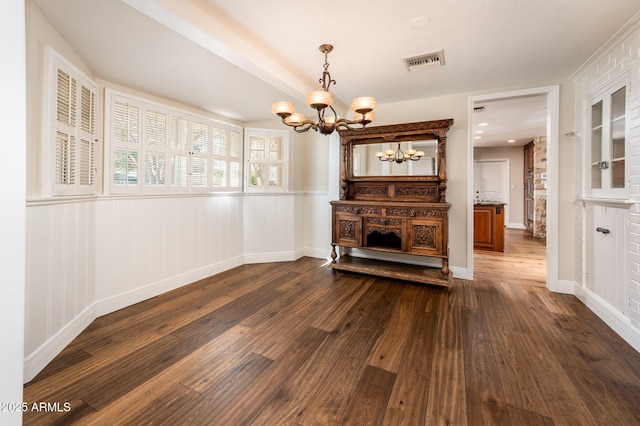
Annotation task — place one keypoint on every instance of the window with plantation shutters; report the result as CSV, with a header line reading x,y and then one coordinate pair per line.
x,y
72,129
267,160
155,149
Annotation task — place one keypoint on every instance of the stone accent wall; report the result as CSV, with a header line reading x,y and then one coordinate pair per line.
x,y
540,187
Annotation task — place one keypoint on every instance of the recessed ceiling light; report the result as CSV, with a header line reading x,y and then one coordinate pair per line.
x,y
511,140
483,124
477,137
479,131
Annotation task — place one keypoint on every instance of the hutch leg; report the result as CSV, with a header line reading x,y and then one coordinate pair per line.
x,y
334,255
445,266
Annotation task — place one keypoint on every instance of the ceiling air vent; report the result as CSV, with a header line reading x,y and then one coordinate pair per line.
x,y
478,109
428,60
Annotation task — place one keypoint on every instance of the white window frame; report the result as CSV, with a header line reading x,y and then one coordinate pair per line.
x,y
282,162
70,161
188,155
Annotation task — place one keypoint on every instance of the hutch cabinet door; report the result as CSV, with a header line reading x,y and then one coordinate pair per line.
x,y
426,236
347,230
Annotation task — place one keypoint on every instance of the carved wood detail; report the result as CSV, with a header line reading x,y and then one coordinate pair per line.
x,y
424,236
416,212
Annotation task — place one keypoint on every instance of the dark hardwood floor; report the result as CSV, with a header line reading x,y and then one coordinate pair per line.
x,y
297,343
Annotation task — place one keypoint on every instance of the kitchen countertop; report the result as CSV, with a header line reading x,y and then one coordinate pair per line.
x,y
489,203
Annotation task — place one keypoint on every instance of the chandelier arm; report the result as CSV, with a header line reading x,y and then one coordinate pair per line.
x,y
306,125
351,124
303,126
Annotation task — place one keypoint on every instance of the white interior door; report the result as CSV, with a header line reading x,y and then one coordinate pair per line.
x,y
491,180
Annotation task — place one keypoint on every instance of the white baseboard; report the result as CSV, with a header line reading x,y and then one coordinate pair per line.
x,y
38,359
284,256
616,320
460,273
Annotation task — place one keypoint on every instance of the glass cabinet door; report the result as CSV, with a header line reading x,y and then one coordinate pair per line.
x,y
596,145
618,139
607,143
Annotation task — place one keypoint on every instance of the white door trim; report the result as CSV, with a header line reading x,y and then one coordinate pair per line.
x,y
553,117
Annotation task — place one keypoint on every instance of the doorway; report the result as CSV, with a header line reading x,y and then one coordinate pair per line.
x,y
550,96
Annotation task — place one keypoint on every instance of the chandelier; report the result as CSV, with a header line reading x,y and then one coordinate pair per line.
x,y
399,156
321,101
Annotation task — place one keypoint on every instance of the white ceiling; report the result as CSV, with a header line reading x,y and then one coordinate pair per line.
x,y
235,57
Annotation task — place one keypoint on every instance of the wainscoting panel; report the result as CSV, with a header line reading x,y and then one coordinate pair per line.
x,y
269,227
317,225
145,242
59,275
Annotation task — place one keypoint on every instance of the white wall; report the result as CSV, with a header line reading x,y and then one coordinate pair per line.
x,y
12,216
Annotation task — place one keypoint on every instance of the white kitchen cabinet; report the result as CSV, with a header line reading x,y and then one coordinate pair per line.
x,y
607,139
607,233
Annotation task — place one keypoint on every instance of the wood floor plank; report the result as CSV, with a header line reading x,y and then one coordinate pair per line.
x,y
486,402
368,404
297,343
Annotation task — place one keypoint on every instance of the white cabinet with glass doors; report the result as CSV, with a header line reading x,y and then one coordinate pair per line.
x,y
607,121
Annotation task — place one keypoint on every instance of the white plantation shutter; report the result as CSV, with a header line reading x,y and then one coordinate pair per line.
x,y
72,128
200,150
66,131
220,177
235,151
87,159
66,99
64,162
126,119
87,146
179,151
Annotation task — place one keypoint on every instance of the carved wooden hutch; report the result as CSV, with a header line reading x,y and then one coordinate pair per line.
x,y
396,207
